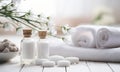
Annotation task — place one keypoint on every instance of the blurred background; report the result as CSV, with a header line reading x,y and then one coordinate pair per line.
x,y
74,12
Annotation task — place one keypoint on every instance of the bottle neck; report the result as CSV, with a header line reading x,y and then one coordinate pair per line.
x,y
42,39
27,37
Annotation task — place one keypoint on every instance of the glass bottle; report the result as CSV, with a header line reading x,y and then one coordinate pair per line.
x,y
27,47
42,45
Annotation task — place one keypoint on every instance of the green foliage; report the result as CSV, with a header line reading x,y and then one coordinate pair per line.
x,y
24,18
36,22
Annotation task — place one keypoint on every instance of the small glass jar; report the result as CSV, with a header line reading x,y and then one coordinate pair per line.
x,y
27,47
42,45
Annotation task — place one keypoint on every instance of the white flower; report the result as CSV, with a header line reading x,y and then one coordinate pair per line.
x,y
103,16
65,29
102,10
106,20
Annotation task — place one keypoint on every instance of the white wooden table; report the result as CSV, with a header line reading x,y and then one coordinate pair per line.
x,y
83,66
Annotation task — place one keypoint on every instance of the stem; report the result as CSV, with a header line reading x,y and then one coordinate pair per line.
x,y
25,24
11,13
12,17
29,21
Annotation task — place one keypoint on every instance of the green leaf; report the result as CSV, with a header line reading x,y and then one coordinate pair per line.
x,y
39,15
63,38
68,29
12,5
64,28
46,23
99,17
29,13
48,18
18,28
48,28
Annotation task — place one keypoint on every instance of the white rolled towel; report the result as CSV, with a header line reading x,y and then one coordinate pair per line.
x,y
108,37
85,36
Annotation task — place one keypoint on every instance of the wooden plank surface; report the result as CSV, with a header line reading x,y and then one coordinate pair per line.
x,y
81,67
54,69
115,67
31,68
99,67
11,67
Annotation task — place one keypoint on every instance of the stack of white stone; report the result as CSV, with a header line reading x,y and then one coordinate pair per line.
x,y
57,60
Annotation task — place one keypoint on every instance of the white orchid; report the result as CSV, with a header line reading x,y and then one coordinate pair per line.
x,y
65,28
103,16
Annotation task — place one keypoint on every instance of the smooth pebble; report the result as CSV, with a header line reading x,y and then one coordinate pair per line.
x,y
5,40
40,61
56,58
48,64
7,46
1,47
63,63
6,50
73,60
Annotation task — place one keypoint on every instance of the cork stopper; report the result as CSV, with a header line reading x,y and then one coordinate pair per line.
x,y
42,34
27,32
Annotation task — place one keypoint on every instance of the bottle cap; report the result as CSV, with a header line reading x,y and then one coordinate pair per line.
x,y
27,32
42,34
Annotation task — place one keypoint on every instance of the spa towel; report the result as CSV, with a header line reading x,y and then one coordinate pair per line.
x,y
93,36
92,54
85,36
108,37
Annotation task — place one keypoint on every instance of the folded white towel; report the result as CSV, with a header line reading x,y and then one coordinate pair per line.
x,y
85,36
87,53
108,37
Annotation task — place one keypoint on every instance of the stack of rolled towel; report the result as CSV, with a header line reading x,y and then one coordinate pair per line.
x,y
90,36
94,43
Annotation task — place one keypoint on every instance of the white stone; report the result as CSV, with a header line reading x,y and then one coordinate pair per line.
x,y
40,61
63,63
6,50
56,58
48,64
73,60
